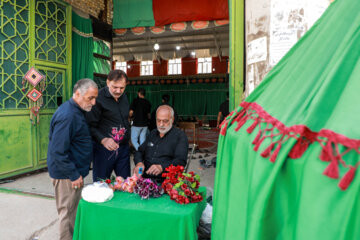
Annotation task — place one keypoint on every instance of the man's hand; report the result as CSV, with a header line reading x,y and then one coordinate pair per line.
x,y
155,169
78,183
136,168
109,144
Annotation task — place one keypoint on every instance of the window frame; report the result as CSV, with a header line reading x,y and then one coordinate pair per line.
x,y
204,65
175,66
121,66
146,68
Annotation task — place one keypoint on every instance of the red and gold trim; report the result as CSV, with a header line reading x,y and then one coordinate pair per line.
x,y
334,146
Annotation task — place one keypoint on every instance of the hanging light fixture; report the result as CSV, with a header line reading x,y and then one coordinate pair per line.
x,y
156,46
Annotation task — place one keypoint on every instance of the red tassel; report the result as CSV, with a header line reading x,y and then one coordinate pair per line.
x,y
267,151
239,116
257,137
223,128
347,179
253,126
299,148
257,145
240,124
275,154
332,170
326,152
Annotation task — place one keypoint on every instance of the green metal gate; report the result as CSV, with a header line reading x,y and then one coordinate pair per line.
x,y
33,33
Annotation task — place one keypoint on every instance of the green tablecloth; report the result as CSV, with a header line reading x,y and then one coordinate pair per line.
x,y
126,216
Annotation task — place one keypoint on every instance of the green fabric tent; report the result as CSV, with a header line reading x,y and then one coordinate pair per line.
x,y
288,155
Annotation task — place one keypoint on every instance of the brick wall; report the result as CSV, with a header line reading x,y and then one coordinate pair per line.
x,y
93,7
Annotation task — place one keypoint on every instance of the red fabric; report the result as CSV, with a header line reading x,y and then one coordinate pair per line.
x,y
160,69
220,67
188,66
166,12
274,130
134,70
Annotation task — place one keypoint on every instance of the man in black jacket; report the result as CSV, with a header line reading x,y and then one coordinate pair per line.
x,y
164,146
70,152
110,113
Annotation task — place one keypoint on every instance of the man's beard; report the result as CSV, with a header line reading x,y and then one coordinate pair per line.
x,y
114,95
164,130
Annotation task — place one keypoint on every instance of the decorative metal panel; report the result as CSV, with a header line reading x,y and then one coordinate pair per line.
x,y
14,52
54,82
50,31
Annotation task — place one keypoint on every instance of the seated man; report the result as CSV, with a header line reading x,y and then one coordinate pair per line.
x,y
164,146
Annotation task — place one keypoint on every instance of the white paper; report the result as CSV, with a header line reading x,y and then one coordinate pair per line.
x,y
257,50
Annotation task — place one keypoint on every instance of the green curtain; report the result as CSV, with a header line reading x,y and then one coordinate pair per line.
x,y
82,48
316,85
192,100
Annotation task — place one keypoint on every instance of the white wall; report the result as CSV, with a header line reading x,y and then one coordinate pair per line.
x,y
272,28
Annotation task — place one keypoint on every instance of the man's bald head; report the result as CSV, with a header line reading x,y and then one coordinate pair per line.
x,y
164,119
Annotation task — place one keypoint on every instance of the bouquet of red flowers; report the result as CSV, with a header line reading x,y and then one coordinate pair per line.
x,y
181,187
117,135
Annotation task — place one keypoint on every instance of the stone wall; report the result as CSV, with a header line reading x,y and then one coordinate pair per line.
x,y
94,7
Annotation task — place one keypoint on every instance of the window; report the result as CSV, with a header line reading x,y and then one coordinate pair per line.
x,y
121,66
174,66
204,65
146,68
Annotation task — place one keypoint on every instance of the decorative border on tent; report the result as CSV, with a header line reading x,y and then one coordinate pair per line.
x,y
86,35
278,133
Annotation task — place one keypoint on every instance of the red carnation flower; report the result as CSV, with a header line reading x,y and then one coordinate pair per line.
x,y
108,181
184,186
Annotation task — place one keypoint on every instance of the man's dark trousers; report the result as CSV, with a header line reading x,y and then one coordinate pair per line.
x,y
106,161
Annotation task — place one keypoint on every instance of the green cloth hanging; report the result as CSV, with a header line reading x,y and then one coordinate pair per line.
x,y
101,48
101,65
133,13
288,155
82,48
188,100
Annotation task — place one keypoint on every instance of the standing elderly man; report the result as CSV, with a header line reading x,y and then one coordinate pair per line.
x,y
111,111
70,152
164,146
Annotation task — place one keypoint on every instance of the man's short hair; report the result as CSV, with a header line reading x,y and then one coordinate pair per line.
x,y
115,75
165,98
168,107
83,85
142,91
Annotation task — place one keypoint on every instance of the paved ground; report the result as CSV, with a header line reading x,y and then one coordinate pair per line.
x,y
28,208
